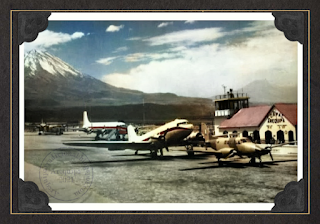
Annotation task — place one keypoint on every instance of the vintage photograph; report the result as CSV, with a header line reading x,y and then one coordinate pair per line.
x,y
156,109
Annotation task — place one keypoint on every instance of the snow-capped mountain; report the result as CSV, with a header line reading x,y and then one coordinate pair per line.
x,y
51,82
35,60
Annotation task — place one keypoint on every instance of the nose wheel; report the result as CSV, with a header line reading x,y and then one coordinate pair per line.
x,y
190,150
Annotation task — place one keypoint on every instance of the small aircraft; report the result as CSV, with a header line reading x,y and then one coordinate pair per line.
x,y
169,134
103,130
226,146
45,128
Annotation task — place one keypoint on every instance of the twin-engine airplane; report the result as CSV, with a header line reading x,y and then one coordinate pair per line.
x,y
225,146
103,130
45,128
169,134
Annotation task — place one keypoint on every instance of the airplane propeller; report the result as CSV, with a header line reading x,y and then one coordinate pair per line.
x,y
269,148
163,142
231,153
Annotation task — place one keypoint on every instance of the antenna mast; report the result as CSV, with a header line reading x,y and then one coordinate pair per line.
x,y
224,89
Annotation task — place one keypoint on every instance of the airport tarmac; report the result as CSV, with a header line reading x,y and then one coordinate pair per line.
x,y
83,174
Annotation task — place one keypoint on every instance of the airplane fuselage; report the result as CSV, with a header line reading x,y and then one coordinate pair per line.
x,y
243,146
174,131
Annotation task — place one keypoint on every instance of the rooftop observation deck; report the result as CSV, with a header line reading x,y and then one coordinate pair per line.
x,y
230,103
232,96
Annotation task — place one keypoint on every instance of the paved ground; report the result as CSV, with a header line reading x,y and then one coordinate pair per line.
x,y
72,174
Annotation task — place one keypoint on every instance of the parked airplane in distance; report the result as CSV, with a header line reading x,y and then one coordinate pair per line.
x,y
169,134
45,128
103,130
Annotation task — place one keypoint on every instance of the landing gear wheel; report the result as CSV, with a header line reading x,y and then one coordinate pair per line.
x,y
253,160
154,154
190,150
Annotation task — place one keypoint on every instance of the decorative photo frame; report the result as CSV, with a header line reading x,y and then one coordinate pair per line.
x,y
294,198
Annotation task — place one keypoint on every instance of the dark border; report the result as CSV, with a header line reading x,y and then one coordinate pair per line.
x,y
5,115
291,23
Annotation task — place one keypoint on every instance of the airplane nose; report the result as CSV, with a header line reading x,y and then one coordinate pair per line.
x,y
257,148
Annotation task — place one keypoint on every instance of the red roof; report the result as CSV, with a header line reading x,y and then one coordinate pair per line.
x,y
247,117
289,111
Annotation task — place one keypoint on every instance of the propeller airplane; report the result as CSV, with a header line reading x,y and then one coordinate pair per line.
x,y
169,134
226,146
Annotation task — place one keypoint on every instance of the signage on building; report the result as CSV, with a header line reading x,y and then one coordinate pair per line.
x,y
275,117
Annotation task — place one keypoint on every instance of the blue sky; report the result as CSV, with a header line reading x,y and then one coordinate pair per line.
x,y
189,58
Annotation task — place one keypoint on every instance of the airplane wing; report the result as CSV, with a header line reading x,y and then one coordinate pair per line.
x,y
225,152
111,145
282,144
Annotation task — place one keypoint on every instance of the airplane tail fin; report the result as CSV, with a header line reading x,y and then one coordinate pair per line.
x,y
205,131
86,122
132,135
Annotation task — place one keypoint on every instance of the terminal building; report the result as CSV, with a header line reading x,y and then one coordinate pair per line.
x,y
263,124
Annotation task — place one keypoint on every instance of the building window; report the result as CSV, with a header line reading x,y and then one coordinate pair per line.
x,y
268,137
235,131
256,137
280,136
244,133
291,137
225,132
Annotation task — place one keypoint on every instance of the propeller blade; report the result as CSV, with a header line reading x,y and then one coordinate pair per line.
x,y
271,155
231,153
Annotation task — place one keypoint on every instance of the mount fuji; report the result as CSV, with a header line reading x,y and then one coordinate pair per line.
x,y
51,82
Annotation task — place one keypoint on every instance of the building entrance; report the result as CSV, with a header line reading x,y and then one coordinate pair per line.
x,y
280,136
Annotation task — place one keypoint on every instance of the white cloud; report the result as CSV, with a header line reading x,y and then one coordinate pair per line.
x,y
149,56
77,35
113,28
49,38
165,24
200,71
120,49
106,61
134,38
190,21
187,37
135,57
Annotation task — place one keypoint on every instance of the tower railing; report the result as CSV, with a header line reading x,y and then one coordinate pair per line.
x,y
231,95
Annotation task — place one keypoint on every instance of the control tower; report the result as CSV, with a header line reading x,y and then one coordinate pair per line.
x,y
227,105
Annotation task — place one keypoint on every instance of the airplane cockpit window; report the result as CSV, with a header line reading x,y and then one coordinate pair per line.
x,y
243,140
182,123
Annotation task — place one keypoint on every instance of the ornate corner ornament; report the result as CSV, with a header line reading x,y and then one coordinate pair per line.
x,y
30,199
291,199
30,24
291,24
